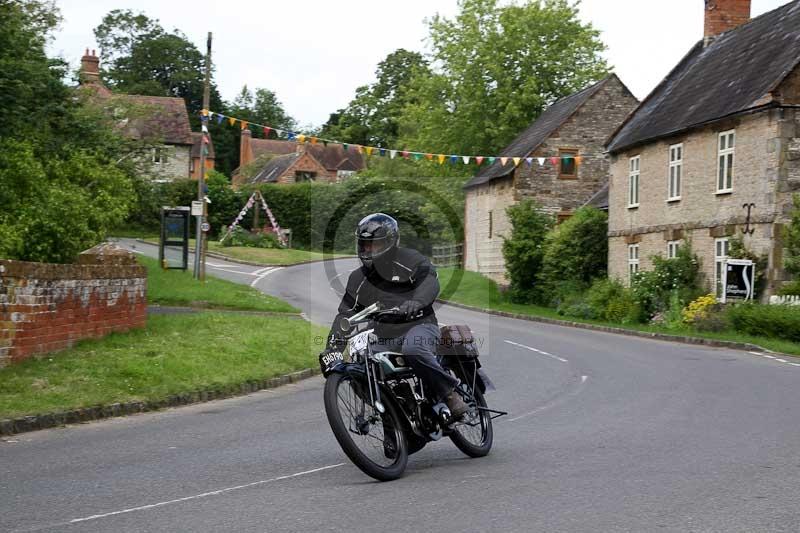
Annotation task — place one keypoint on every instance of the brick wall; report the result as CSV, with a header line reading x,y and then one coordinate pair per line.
x,y
766,173
47,307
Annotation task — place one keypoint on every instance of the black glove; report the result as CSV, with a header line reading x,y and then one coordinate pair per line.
x,y
411,308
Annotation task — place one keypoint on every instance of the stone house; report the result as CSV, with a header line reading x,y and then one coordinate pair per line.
x,y
293,162
568,169
714,150
161,121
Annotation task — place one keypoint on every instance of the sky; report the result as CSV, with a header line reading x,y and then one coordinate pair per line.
x,y
313,54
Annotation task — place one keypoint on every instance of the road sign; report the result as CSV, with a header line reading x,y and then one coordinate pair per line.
x,y
205,226
197,208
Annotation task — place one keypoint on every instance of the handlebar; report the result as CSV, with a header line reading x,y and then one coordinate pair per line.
x,y
368,313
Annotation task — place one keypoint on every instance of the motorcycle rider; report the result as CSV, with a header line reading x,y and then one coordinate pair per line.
x,y
406,279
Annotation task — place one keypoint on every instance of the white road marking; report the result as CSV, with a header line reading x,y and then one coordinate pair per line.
x,y
537,351
776,359
203,495
264,275
234,271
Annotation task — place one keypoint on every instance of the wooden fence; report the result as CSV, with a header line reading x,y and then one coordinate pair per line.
x,y
448,255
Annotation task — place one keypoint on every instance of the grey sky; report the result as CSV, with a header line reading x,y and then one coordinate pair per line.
x,y
315,53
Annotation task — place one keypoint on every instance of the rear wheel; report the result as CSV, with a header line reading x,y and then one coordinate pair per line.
x,y
375,442
473,434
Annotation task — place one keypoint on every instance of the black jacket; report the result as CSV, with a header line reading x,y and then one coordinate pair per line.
x,y
406,275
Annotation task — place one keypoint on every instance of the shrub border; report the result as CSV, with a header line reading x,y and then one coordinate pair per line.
x,y
25,424
683,339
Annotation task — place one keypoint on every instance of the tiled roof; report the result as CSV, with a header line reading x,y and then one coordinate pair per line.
x,y
600,199
275,168
163,118
736,72
542,128
196,139
333,157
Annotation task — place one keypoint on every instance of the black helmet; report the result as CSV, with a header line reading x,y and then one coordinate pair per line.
x,y
377,235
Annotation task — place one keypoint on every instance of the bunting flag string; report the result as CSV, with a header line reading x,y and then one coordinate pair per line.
x,y
391,153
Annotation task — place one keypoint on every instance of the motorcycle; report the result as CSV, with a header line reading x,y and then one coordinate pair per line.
x,y
378,408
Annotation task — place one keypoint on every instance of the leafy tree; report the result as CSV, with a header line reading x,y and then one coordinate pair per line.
x,y
372,117
791,261
499,67
524,249
263,107
64,171
576,252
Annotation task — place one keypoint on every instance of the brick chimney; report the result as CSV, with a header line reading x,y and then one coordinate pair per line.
x,y
724,15
245,148
90,68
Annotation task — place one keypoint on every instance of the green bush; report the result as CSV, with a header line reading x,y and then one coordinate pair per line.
x,y
249,239
790,289
653,289
613,302
576,252
791,261
779,321
524,250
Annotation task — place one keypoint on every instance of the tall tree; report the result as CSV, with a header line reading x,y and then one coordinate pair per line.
x,y
372,117
499,67
64,171
263,107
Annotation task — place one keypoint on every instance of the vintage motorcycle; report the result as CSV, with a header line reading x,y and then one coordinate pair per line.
x,y
379,410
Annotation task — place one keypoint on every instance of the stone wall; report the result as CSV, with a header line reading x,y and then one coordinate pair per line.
x,y
766,173
484,252
175,162
586,132
47,307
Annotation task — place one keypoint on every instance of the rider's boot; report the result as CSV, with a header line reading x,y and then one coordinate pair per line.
x,y
456,404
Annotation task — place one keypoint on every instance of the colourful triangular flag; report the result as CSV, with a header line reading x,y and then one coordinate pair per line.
x,y
417,156
204,128
313,140
301,139
220,118
465,158
204,112
244,124
516,161
529,160
441,158
290,135
479,160
405,154
503,161
453,159
541,161
279,133
382,152
392,154
554,160
492,160
369,150
578,160
232,120
429,157
266,132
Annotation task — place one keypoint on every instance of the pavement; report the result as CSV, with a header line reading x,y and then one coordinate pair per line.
x,y
604,433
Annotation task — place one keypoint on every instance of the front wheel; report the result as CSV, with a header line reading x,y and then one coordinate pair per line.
x,y
375,442
473,434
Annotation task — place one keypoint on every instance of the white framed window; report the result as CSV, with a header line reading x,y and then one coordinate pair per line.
x,y
633,260
721,250
672,249
726,145
158,155
633,182
675,172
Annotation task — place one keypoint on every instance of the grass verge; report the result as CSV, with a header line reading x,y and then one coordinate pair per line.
x,y
177,287
264,256
471,288
174,355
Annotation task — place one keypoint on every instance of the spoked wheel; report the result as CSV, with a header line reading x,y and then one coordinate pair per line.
x,y
473,434
375,442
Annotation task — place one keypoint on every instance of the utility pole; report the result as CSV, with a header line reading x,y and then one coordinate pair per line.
x,y
199,244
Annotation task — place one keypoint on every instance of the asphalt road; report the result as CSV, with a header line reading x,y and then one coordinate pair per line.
x,y
605,433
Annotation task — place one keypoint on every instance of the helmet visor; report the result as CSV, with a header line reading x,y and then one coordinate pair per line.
x,y
373,248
